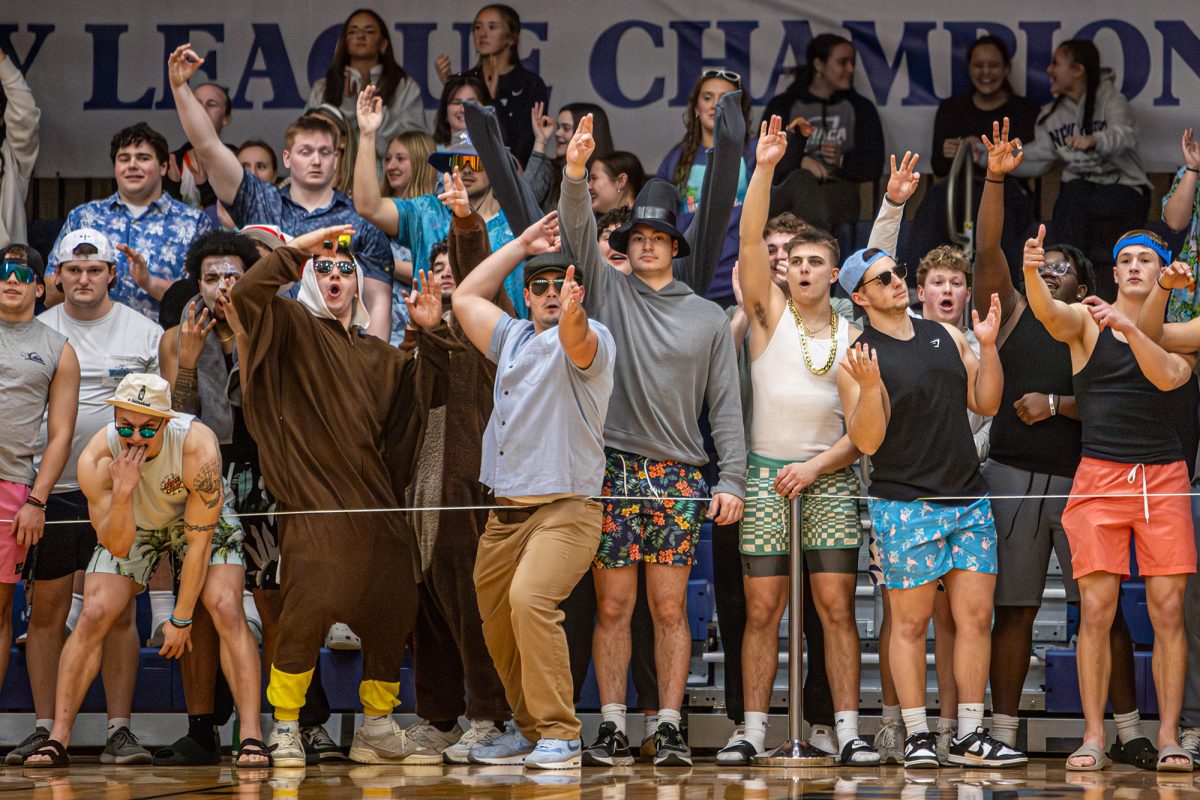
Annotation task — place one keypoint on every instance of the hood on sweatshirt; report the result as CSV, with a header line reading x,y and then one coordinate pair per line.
x,y
311,298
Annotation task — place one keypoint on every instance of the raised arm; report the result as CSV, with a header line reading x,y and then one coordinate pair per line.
x,y
1063,322
21,117
1181,199
1167,371
1175,337
369,201
992,275
473,303
864,398
578,222
902,184
578,339
985,376
225,172
761,298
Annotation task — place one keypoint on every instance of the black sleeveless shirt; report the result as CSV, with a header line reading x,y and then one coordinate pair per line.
x,y
928,449
1125,417
1034,361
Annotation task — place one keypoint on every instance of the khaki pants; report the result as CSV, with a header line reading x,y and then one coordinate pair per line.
x,y
528,562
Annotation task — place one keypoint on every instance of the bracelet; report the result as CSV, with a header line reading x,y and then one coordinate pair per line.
x,y
36,503
179,623
1158,281
994,180
1192,169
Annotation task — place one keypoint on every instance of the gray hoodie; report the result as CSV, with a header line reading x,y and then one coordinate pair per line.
x,y
1114,159
674,354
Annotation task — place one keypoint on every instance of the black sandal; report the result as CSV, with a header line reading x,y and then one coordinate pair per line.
x,y
253,747
1139,752
186,752
54,749
850,756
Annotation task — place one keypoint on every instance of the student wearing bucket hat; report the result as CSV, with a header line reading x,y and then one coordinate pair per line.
x,y
676,356
153,484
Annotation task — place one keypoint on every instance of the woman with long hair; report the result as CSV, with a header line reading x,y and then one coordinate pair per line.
x,y
846,144
1088,128
497,33
687,162
406,166
364,57
614,181
551,135
450,119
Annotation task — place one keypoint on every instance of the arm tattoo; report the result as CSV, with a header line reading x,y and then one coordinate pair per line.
x,y
201,529
208,484
186,395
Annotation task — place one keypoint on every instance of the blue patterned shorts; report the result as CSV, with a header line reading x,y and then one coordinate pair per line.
x,y
920,542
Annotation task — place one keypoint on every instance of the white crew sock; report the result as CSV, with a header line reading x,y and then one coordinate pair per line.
x,y
116,723
651,725
614,713
76,610
671,715
915,720
1004,728
376,726
1129,726
48,724
970,717
891,714
162,606
756,728
846,725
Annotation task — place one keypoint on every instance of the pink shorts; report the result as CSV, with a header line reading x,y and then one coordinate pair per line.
x,y
12,555
1100,526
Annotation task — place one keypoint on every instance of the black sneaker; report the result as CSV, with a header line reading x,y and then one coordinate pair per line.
x,y
16,756
920,751
319,748
611,748
978,749
670,748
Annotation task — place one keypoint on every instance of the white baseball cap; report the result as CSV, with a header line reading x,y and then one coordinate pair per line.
x,y
143,393
85,236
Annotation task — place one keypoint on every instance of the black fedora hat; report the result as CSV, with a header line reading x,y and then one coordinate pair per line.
x,y
656,206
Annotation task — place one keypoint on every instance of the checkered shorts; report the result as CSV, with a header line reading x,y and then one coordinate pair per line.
x,y
828,523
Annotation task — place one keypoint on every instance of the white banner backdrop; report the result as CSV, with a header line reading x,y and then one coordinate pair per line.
x,y
100,65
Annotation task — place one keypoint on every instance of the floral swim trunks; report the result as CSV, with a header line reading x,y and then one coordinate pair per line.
x,y
659,531
919,542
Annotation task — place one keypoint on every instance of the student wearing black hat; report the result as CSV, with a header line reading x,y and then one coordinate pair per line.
x,y
676,356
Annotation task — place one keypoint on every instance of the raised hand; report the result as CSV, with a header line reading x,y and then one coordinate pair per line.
x,y
369,110
1176,276
1106,316
138,269
772,142
182,65
322,240
1035,252
862,364
193,330
425,304
1003,154
441,65
582,145
454,194
126,470
542,236
903,181
543,126
571,296
987,329
1191,150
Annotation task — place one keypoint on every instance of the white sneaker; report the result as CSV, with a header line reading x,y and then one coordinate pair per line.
x,y
889,743
286,748
426,737
480,732
340,637
822,738
253,618
392,746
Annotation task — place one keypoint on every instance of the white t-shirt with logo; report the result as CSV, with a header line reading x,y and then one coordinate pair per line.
x,y
109,348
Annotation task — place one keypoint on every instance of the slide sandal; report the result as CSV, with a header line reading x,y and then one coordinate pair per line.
x,y
1092,751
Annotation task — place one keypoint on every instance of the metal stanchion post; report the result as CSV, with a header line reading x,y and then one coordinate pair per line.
x,y
796,751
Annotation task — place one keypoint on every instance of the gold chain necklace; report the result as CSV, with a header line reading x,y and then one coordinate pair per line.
x,y
804,337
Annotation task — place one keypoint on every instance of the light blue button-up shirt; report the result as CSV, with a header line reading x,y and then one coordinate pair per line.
x,y
546,434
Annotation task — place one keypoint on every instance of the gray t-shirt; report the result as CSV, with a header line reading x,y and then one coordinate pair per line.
x,y
29,356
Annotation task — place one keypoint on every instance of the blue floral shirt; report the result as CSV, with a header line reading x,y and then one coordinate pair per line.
x,y
162,234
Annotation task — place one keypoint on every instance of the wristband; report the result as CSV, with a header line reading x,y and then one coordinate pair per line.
x,y
1053,404
179,623
36,503
1158,281
994,180
1192,169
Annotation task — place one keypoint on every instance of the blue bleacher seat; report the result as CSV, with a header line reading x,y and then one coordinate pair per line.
x,y
700,607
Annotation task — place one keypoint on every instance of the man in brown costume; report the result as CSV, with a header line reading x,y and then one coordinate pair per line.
x,y
321,397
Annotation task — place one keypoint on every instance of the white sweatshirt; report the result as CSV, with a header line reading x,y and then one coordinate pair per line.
x,y
18,152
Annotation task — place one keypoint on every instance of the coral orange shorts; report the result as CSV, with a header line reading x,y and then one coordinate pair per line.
x,y
1111,502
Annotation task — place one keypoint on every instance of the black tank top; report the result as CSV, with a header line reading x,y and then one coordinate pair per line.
x,y
1125,418
928,449
1034,361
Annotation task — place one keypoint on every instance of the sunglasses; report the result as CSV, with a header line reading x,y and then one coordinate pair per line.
x,y
126,431
723,74
466,161
1058,268
325,267
22,270
900,271
542,285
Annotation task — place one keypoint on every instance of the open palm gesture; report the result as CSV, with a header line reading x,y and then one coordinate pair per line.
x,y
772,142
1003,154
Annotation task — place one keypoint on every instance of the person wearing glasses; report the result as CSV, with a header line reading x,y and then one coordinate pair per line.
x,y
110,340
153,484
686,164
931,518
846,146
343,396
543,458
309,202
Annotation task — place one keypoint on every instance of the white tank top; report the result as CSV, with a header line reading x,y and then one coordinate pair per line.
x,y
160,496
797,415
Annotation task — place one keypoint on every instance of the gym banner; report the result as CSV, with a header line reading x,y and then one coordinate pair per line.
x,y
98,66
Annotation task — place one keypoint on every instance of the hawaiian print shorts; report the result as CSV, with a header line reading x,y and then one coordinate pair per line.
x,y
828,523
920,542
661,531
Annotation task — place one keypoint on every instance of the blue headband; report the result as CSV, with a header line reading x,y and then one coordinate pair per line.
x,y
1145,241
